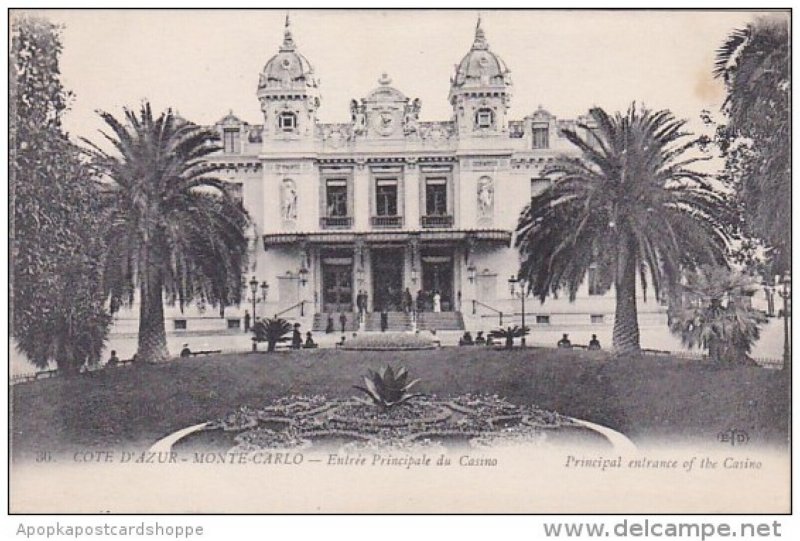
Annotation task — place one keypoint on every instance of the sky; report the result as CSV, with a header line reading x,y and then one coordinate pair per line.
x,y
206,63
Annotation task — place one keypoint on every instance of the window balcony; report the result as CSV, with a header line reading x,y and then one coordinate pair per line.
x,y
336,222
437,220
387,221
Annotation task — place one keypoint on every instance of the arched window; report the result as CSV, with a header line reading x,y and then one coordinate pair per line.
x,y
484,118
287,121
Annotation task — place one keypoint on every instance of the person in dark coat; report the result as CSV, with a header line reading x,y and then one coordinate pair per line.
x,y
186,352
343,321
564,342
594,343
246,321
420,301
297,338
113,360
329,326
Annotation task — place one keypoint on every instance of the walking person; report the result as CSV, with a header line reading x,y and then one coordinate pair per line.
x,y
297,338
384,319
408,302
343,321
246,321
329,326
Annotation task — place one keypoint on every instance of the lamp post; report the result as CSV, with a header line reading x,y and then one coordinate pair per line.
x,y
786,293
303,273
253,290
523,292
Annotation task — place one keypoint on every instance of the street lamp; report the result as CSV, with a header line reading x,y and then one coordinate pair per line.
x,y
523,292
264,291
786,293
303,276
471,270
253,290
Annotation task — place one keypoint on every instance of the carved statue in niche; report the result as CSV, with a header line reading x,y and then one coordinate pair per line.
x,y
412,116
485,197
289,200
358,116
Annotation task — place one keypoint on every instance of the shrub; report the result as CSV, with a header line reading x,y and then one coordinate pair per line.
x,y
509,334
271,331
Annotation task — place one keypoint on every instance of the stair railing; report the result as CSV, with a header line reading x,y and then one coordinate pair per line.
x,y
300,305
476,303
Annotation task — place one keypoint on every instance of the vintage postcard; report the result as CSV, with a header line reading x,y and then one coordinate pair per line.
x,y
400,261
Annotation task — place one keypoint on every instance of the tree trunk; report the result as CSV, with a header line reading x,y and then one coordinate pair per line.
x,y
271,345
152,334
626,321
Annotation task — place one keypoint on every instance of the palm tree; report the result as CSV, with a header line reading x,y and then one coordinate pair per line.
x,y
632,206
175,234
715,313
271,331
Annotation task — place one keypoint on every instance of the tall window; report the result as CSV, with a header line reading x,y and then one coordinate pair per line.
x,y
231,140
336,197
484,118
287,121
593,282
386,197
541,136
436,196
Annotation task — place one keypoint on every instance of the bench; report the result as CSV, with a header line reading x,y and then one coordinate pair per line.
x,y
204,352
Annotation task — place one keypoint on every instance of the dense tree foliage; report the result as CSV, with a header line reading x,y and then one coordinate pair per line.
x,y
174,232
632,206
756,139
57,308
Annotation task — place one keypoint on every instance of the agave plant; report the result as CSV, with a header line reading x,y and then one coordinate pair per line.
x,y
271,331
387,388
509,334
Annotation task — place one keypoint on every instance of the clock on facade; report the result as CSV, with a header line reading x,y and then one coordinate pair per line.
x,y
384,123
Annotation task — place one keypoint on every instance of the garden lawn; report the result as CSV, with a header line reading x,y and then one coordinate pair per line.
x,y
647,397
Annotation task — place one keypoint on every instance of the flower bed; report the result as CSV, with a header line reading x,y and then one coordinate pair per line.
x,y
389,342
465,420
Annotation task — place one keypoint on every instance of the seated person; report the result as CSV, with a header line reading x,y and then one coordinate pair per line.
x,y
309,344
186,352
466,340
479,339
564,342
594,343
113,360
341,342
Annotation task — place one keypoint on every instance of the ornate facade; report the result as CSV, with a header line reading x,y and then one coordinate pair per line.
x,y
388,202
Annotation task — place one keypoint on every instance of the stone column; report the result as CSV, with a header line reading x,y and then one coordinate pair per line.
x,y
412,196
361,202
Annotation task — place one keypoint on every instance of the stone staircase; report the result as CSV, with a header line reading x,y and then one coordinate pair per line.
x,y
321,322
440,321
398,322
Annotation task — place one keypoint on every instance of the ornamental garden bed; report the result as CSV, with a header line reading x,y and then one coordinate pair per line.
x,y
389,342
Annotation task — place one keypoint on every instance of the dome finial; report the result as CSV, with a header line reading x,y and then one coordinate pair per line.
x,y
480,36
288,41
385,79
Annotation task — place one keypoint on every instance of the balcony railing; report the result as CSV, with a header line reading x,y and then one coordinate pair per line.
x,y
437,220
387,221
336,222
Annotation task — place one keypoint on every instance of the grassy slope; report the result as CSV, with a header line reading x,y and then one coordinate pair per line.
x,y
642,398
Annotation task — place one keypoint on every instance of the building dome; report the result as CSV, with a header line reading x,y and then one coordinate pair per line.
x,y
480,67
287,70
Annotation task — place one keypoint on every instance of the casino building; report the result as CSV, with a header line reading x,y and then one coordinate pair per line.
x,y
387,202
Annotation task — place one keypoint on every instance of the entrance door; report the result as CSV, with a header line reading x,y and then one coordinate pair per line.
x,y
337,287
437,275
387,279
